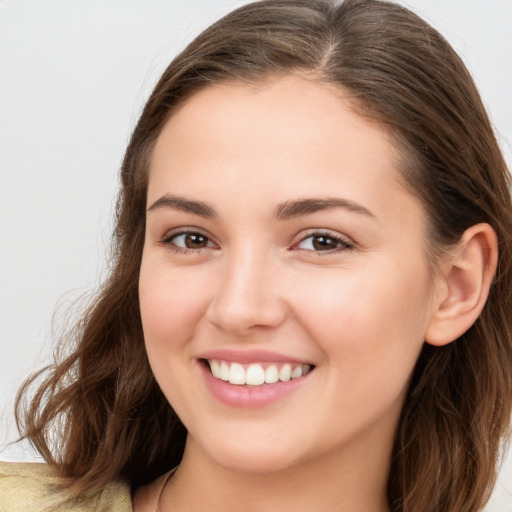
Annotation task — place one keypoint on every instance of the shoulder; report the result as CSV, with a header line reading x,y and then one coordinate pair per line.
x,y
32,487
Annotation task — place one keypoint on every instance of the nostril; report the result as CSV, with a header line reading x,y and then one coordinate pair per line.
x,y
242,316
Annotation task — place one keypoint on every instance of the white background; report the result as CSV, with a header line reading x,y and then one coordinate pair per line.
x,y
74,77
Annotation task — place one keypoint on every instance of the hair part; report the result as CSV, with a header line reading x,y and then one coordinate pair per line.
x,y
115,422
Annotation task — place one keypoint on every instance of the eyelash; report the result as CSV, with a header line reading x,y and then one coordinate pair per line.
x,y
169,238
342,243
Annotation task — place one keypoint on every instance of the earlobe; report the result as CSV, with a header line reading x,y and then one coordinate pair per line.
x,y
463,286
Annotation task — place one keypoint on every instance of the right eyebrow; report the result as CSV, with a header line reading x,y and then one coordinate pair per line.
x,y
185,205
290,209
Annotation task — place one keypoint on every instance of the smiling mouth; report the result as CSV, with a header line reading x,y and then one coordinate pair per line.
x,y
256,374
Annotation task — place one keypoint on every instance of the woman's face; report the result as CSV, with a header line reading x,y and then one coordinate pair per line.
x,y
283,254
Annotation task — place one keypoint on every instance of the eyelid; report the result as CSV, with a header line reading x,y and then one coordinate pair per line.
x,y
346,243
166,239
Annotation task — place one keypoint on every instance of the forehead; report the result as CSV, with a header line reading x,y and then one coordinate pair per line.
x,y
298,106
292,135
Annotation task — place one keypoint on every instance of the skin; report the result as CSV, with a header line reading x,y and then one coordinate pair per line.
x,y
359,314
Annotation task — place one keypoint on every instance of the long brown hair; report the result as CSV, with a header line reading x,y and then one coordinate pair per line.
x,y
99,414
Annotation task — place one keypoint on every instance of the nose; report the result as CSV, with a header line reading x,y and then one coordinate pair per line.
x,y
248,295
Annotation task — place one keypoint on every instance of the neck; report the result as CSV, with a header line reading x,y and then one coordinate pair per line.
x,y
352,480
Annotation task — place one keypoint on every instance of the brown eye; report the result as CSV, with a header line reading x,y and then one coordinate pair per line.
x,y
189,240
195,241
324,243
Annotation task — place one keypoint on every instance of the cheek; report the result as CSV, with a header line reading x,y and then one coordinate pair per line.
x,y
172,303
368,318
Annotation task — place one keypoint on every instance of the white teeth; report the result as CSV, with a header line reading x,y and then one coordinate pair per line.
x,y
215,368
297,372
285,373
271,375
255,374
236,374
224,371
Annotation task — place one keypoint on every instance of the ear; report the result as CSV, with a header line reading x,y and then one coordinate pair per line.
x,y
462,287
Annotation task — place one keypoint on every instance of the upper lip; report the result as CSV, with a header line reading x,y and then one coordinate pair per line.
x,y
250,356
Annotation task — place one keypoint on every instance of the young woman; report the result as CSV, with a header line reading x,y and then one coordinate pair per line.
x,y
311,303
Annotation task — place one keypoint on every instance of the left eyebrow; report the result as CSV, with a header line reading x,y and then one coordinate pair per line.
x,y
183,204
290,209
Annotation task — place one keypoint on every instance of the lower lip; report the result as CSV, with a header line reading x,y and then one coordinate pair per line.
x,y
246,396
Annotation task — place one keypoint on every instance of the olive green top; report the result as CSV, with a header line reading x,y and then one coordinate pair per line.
x,y
32,487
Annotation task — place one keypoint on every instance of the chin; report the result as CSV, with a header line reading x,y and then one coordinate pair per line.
x,y
256,463
251,457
